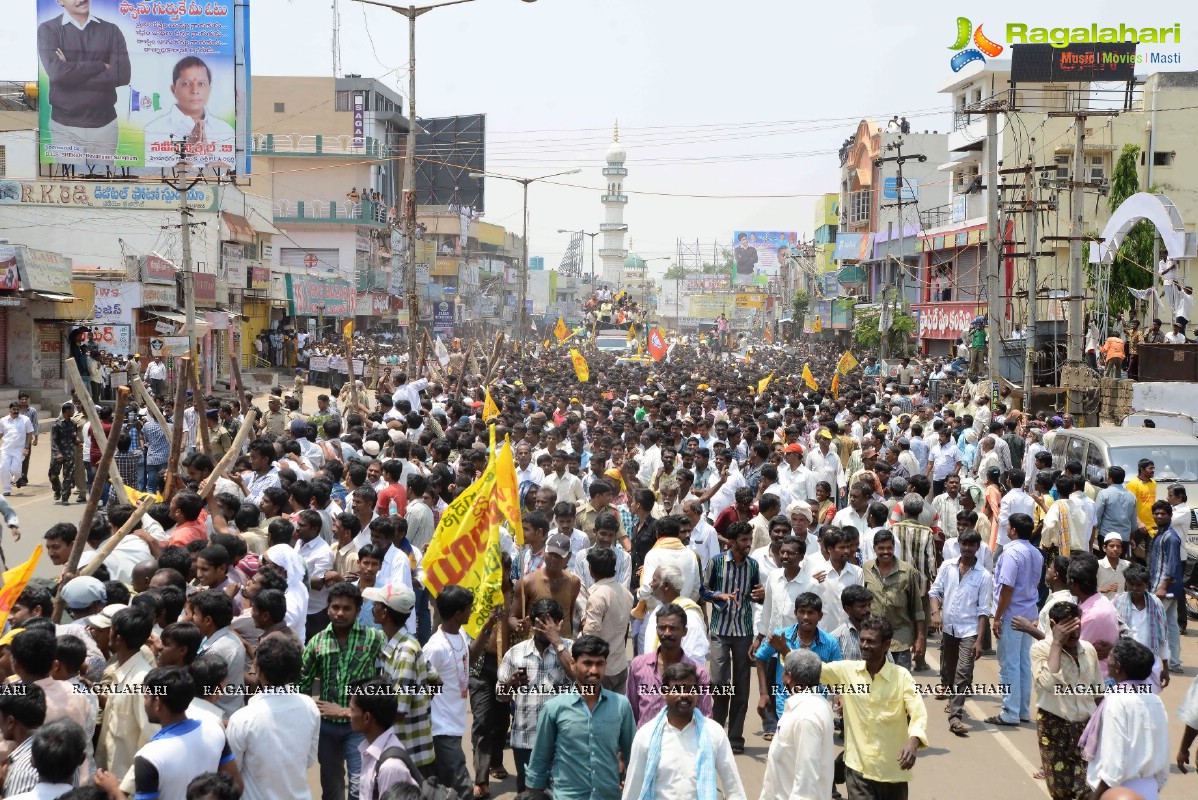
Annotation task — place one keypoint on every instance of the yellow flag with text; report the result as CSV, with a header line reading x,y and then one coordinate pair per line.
x,y
15,580
846,364
490,410
561,331
764,383
465,548
580,366
809,379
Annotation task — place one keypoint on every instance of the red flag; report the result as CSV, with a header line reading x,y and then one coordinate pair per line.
x,y
657,344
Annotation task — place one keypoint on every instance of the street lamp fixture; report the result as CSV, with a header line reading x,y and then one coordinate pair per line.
x,y
407,193
523,294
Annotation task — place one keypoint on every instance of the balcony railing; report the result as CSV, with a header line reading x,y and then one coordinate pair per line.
x,y
315,145
614,198
338,212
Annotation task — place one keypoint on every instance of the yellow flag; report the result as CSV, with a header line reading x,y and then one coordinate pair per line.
x,y
809,379
546,344
846,364
580,366
769,335
15,580
560,330
507,490
348,330
631,332
817,326
640,348
764,383
490,410
836,385
465,547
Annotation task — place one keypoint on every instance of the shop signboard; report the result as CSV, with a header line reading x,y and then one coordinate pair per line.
x,y
44,271
115,302
169,346
114,339
156,269
153,296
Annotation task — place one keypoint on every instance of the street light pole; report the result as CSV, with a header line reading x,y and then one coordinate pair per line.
x,y
408,193
522,295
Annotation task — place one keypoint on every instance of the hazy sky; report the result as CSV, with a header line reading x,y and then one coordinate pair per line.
x,y
743,101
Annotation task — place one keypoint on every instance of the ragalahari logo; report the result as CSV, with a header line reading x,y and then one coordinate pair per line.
x,y
982,48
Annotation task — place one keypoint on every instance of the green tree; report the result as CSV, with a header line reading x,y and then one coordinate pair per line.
x,y
866,334
1133,266
675,273
800,304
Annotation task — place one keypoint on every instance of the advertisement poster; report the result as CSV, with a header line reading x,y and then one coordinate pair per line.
x,y
112,338
757,255
168,346
443,315
146,73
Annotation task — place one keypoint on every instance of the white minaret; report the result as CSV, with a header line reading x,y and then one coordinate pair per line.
x,y
613,251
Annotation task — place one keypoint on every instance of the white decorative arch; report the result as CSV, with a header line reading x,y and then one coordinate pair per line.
x,y
1157,209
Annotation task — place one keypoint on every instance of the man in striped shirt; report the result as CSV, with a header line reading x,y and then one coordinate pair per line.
x,y
733,584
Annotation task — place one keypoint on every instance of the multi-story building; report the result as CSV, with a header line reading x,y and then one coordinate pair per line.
x,y
1160,117
328,152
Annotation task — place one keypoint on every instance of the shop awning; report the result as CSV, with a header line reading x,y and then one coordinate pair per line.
x,y
181,319
239,227
55,297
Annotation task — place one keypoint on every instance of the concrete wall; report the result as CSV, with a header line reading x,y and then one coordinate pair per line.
x,y
308,106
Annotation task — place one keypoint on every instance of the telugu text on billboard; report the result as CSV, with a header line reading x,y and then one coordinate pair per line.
x,y
757,255
119,78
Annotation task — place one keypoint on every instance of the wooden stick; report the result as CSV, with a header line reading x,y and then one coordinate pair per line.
x,y
419,365
111,544
93,497
172,468
141,393
457,389
230,455
349,371
239,386
93,418
197,402
493,361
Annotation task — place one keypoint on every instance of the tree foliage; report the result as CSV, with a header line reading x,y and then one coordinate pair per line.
x,y
1133,266
801,302
675,273
866,334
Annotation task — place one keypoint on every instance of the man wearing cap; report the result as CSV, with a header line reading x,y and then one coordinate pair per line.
x,y
1177,335
793,474
551,581
63,438
274,420
825,465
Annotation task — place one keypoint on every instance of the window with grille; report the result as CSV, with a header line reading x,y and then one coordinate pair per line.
x,y
3,171
1062,162
279,108
1097,168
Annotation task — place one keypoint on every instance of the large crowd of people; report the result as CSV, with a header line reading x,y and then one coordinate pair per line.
x,y
692,528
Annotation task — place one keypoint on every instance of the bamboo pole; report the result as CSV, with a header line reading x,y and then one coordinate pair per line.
x,y
197,402
172,468
457,389
93,498
493,361
419,365
111,544
89,411
239,385
141,393
230,456
349,372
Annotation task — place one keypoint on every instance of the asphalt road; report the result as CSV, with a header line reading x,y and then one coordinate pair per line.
x,y
989,763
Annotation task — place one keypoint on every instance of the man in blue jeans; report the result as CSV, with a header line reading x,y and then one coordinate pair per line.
x,y
1016,589
158,449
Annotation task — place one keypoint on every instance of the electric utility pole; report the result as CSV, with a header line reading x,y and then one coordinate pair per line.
x,y
900,187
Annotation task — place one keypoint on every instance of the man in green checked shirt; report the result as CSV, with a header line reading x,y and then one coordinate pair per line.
x,y
342,653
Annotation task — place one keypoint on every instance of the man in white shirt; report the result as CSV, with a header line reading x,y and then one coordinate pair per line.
x,y
318,557
210,141
156,376
16,439
667,748
274,737
855,512
825,465
703,540
567,485
783,587
1015,501
650,456
525,469
800,763
794,475
833,574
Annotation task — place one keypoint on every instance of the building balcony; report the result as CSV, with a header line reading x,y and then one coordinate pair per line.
x,y
330,212
613,252
332,145
615,198
617,171
619,227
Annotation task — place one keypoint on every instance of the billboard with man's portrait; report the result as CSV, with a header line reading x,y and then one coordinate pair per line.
x,y
123,83
757,255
